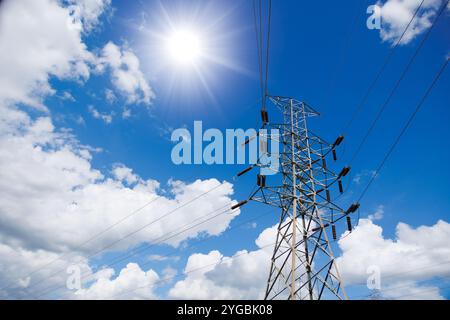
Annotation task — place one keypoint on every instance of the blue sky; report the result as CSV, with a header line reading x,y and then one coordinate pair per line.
x,y
322,53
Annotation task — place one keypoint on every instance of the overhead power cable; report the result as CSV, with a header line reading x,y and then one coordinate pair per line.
x,y
81,245
399,137
397,84
266,90
228,259
110,245
404,129
258,47
380,72
263,67
158,241
218,262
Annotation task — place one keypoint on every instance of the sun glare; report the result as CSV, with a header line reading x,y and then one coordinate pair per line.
x,y
184,47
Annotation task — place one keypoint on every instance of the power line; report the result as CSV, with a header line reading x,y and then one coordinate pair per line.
x,y
266,91
405,128
160,240
209,239
343,52
169,213
404,272
263,68
380,72
226,260
397,140
59,257
193,270
418,292
396,86
205,240
258,47
79,246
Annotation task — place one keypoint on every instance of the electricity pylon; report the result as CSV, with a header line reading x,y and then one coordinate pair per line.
x,y
303,265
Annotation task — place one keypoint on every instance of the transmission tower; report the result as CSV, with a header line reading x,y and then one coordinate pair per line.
x,y
303,265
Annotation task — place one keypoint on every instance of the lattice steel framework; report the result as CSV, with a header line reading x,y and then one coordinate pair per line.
x,y
303,265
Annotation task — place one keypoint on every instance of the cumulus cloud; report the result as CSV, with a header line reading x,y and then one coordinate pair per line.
x,y
214,276
88,12
47,176
396,14
131,283
39,39
22,273
415,255
52,198
127,77
42,39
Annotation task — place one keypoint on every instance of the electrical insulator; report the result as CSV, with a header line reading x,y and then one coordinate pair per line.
x,y
349,224
244,171
338,141
334,155
333,230
341,189
324,163
261,180
352,208
328,195
264,116
344,172
240,204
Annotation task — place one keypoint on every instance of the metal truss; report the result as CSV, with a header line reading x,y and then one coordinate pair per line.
x,y
303,265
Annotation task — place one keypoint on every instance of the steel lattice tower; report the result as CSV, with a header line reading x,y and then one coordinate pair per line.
x,y
303,265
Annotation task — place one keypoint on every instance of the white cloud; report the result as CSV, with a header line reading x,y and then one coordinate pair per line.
x,y
396,14
47,176
127,77
67,96
378,214
124,286
411,290
107,118
126,113
126,175
160,258
16,263
39,39
88,11
52,199
110,96
415,255
363,175
214,276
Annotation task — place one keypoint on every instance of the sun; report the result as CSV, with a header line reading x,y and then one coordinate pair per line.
x,y
184,47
